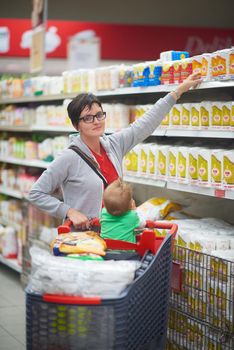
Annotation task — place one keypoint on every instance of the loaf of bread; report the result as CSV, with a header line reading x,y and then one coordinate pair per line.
x,y
79,242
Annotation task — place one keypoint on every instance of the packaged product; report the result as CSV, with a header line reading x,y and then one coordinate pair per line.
x,y
172,163
195,116
68,276
140,74
186,68
182,164
166,121
216,167
232,117
228,169
144,159
125,76
177,71
162,169
193,166
197,64
206,67
205,114
175,115
9,243
153,160
231,64
167,73
217,115
204,166
157,208
154,72
226,114
173,55
186,115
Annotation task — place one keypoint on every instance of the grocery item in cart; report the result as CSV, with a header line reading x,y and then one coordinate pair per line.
x,y
78,243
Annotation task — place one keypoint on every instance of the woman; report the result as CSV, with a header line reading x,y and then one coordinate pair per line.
x,y
81,187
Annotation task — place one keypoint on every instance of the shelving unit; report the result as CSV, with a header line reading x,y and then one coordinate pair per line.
x,y
143,95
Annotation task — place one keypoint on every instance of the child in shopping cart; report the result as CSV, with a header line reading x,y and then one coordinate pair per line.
x,y
119,217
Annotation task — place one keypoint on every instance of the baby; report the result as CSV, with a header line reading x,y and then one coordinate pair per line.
x,y
119,218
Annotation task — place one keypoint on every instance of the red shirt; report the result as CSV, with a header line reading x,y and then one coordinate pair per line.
x,y
106,166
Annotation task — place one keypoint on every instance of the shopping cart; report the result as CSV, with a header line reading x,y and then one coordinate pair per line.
x,y
137,319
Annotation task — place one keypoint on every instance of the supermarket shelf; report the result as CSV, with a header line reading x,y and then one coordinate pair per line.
x,y
119,92
12,263
145,181
10,192
171,185
207,191
227,134
15,128
49,128
31,163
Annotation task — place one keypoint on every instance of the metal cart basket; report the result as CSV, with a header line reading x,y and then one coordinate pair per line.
x,y
137,319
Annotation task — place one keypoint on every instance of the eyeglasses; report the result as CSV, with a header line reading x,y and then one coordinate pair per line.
x,y
90,118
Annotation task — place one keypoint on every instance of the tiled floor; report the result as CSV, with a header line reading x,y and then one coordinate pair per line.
x,y
12,310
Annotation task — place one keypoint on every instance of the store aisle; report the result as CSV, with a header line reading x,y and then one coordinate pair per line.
x,y
12,310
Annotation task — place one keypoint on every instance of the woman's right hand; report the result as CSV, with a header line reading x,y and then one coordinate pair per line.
x,y
79,220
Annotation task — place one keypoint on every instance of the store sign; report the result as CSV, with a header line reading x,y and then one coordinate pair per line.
x,y
37,50
118,41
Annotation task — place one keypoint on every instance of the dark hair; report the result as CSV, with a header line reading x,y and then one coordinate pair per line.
x,y
117,197
78,104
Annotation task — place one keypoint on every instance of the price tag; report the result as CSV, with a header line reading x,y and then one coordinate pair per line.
x,y
220,193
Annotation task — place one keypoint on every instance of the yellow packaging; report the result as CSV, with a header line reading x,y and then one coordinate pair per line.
x,y
195,115
222,63
185,115
162,162
165,122
176,115
206,66
144,156
214,65
182,164
205,114
228,169
204,166
153,160
232,117
216,167
172,163
197,64
226,114
192,167
217,115
231,64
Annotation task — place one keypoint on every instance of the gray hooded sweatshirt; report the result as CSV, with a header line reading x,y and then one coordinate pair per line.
x,y
81,187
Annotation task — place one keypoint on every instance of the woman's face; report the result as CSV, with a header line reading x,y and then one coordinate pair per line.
x,y
94,129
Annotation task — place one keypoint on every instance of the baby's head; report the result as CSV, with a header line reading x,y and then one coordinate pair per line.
x,y
118,198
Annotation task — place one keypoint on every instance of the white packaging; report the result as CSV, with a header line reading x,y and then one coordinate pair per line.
x,y
216,167
204,167
205,114
9,243
182,164
172,163
162,169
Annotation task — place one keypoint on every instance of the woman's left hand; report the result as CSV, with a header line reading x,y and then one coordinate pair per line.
x,y
191,82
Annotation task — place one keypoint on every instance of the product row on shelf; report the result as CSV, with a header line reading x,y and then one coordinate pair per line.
x,y
170,69
206,115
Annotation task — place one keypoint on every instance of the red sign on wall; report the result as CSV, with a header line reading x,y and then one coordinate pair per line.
x,y
118,41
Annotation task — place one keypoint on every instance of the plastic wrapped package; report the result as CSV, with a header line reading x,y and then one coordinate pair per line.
x,y
61,275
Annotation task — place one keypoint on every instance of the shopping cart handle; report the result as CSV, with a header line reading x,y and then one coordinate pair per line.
x,y
163,225
66,227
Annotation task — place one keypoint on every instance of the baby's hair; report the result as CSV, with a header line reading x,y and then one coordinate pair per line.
x,y
118,197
